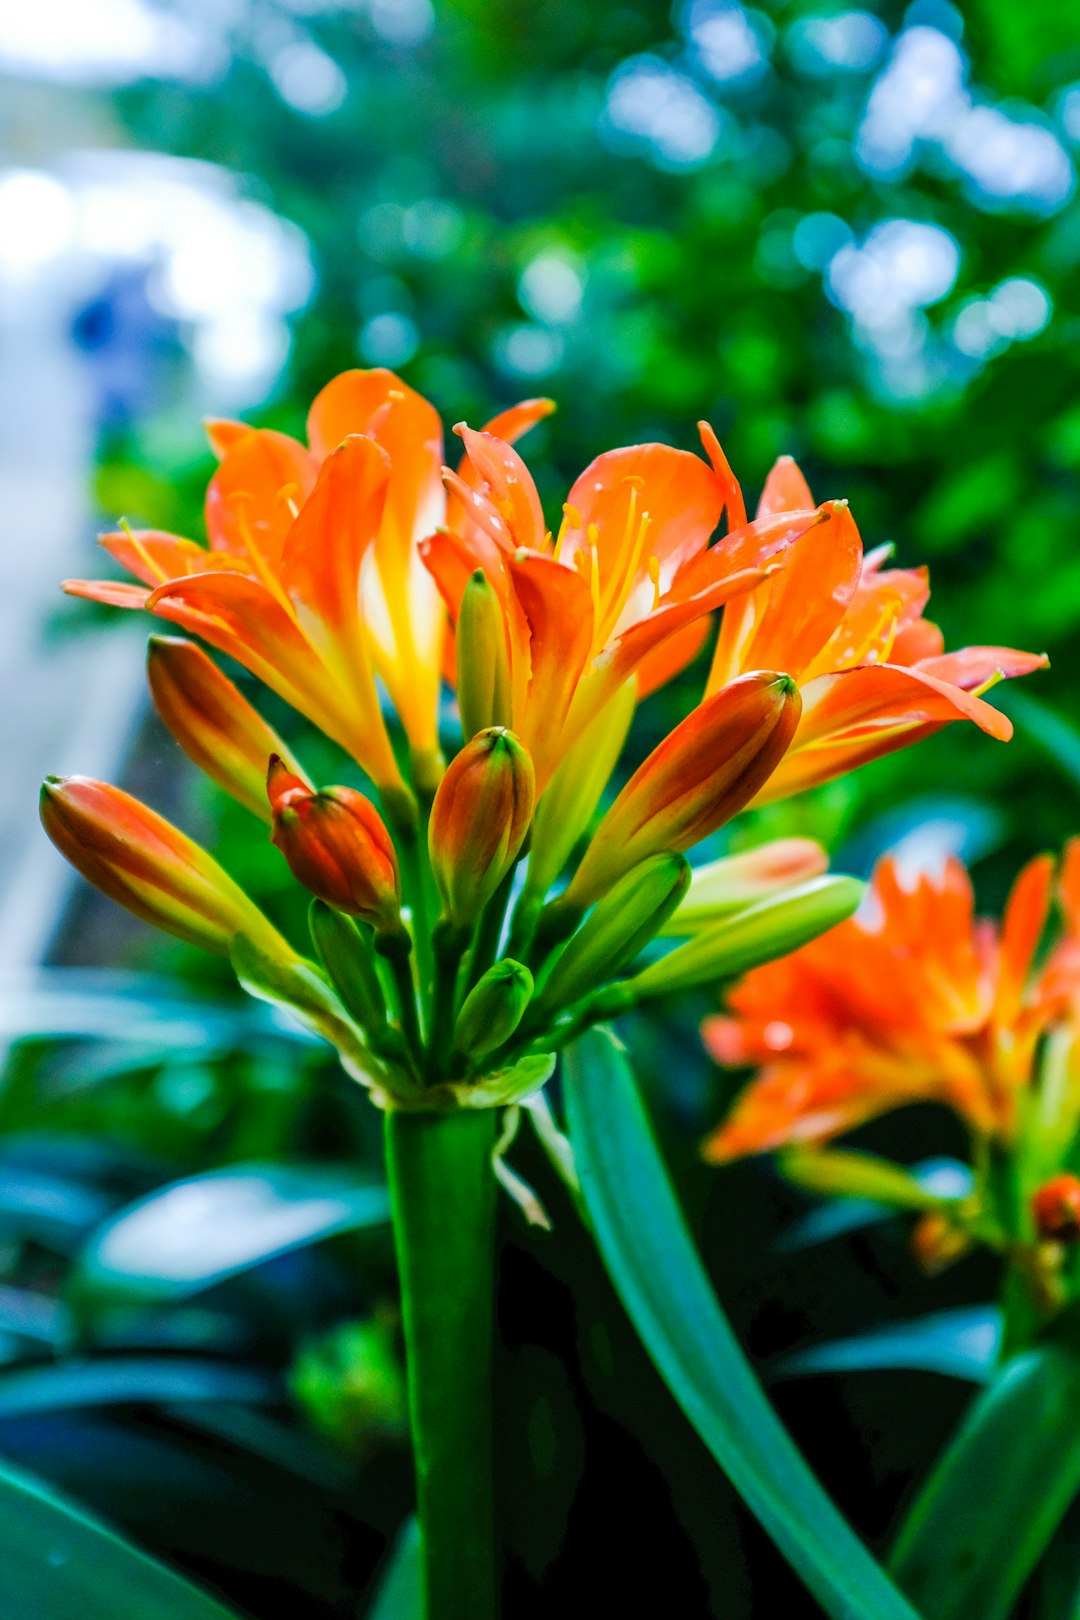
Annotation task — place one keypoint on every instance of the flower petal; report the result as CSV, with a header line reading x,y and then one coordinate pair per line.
x,y
791,617
508,484
263,479
556,606
682,497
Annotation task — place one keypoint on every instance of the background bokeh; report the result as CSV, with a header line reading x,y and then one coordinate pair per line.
x,y
850,235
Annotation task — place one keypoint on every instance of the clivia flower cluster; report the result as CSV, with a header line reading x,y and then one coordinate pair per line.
x,y
470,917
915,999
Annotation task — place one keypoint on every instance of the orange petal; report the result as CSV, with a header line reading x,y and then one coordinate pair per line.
x,y
672,655
509,485
733,495
378,404
153,556
112,592
786,490
917,641
879,695
326,546
682,497
513,423
1026,911
223,433
241,618
263,479
974,667
557,610
790,618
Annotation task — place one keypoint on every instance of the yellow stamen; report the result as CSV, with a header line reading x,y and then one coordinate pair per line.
x,y
155,568
261,567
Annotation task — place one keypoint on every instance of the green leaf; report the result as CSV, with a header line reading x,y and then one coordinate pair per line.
x,y
985,1516
399,1595
197,1232
652,1261
1056,736
959,1344
57,1564
131,1379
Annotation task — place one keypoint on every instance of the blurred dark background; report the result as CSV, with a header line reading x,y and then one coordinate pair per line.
x,y
849,235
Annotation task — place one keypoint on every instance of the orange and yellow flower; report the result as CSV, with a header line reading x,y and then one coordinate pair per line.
x,y
313,579
625,587
872,670
913,999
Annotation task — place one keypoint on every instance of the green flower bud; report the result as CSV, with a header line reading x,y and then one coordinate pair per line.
x,y
772,928
493,1009
483,662
618,928
346,956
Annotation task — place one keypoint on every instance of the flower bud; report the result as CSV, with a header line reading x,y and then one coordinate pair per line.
x,y
493,1009
1056,1209
937,1242
344,953
619,927
483,662
568,803
337,846
709,767
212,721
143,862
773,928
479,820
734,882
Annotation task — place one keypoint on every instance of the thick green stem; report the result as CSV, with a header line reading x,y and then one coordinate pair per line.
x,y
443,1195
449,947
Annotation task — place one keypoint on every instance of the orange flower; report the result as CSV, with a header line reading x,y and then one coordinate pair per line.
x,y
313,579
912,999
623,589
873,672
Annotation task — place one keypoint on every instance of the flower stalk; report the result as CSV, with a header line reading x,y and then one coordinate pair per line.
x,y
439,1163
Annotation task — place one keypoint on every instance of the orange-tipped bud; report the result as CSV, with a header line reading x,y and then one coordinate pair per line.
x,y
479,820
938,1242
212,721
143,862
337,846
708,768
1056,1208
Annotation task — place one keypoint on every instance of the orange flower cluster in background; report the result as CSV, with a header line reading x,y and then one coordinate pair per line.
x,y
912,999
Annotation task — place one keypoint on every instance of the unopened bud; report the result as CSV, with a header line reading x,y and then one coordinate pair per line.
x,y
618,928
734,882
493,1009
937,1242
143,862
212,721
773,928
345,954
337,846
483,662
479,820
1056,1209
707,769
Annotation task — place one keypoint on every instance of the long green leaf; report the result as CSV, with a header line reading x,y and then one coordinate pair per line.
x,y
988,1511
195,1233
400,1594
56,1564
655,1268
